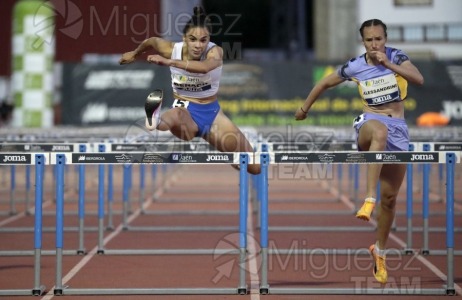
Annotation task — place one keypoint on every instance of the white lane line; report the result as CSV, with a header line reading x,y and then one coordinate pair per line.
x,y
253,254
93,251
21,214
12,218
345,199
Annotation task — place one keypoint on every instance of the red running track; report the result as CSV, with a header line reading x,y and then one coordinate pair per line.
x,y
189,198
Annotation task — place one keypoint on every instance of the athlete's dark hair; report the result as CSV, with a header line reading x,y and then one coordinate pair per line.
x,y
199,19
372,22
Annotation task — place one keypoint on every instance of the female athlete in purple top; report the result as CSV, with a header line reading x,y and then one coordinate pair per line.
x,y
381,74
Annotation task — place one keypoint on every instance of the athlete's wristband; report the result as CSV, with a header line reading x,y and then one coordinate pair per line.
x,y
301,108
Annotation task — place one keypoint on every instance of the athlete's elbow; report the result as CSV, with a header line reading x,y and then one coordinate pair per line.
x,y
420,80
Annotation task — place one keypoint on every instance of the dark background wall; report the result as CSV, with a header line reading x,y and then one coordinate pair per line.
x,y
89,26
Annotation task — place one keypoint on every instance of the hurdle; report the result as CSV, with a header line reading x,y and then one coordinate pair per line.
x,y
353,186
60,160
155,147
335,146
368,157
276,147
38,160
38,148
425,229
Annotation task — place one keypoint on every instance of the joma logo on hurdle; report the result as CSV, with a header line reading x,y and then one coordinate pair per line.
x,y
422,157
217,158
61,148
14,158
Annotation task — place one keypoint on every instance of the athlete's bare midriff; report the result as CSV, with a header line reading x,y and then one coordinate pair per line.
x,y
393,109
196,100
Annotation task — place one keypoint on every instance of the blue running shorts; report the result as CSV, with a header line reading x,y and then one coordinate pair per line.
x,y
202,114
398,134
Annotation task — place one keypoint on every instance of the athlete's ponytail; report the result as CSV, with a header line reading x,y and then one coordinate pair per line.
x,y
198,19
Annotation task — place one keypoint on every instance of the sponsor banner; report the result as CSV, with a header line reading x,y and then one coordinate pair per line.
x,y
447,147
289,147
408,157
110,94
137,147
360,157
163,147
36,147
15,159
213,158
50,147
286,147
5,147
151,158
119,158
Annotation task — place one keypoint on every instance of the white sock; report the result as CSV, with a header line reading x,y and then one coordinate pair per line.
x,y
370,199
380,252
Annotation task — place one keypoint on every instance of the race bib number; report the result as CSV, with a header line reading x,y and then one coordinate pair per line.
x,y
358,120
180,103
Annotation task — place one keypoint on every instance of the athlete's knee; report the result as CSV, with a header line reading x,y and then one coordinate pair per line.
x,y
388,201
254,169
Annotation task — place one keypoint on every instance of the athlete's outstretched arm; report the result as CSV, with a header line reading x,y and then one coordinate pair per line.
x,y
214,60
324,84
161,46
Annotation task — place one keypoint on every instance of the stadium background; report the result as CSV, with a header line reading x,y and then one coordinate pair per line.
x,y
274,53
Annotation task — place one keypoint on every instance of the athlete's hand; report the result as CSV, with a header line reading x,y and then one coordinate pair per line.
x,y
158,60
127,58
379,57
300,114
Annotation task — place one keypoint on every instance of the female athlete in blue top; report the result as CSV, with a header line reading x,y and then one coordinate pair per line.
x,y
381,74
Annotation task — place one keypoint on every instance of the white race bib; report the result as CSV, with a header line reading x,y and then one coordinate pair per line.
x,y
380,90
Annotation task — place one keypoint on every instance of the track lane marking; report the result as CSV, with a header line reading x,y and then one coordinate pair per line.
x,y
93,252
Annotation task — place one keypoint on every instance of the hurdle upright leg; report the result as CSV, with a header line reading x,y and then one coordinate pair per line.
x,y
425,203
39,162
81,249
243,214
101,205
110,197
264,287
60,163
142,187
12,190
27,205
450,162
409,208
